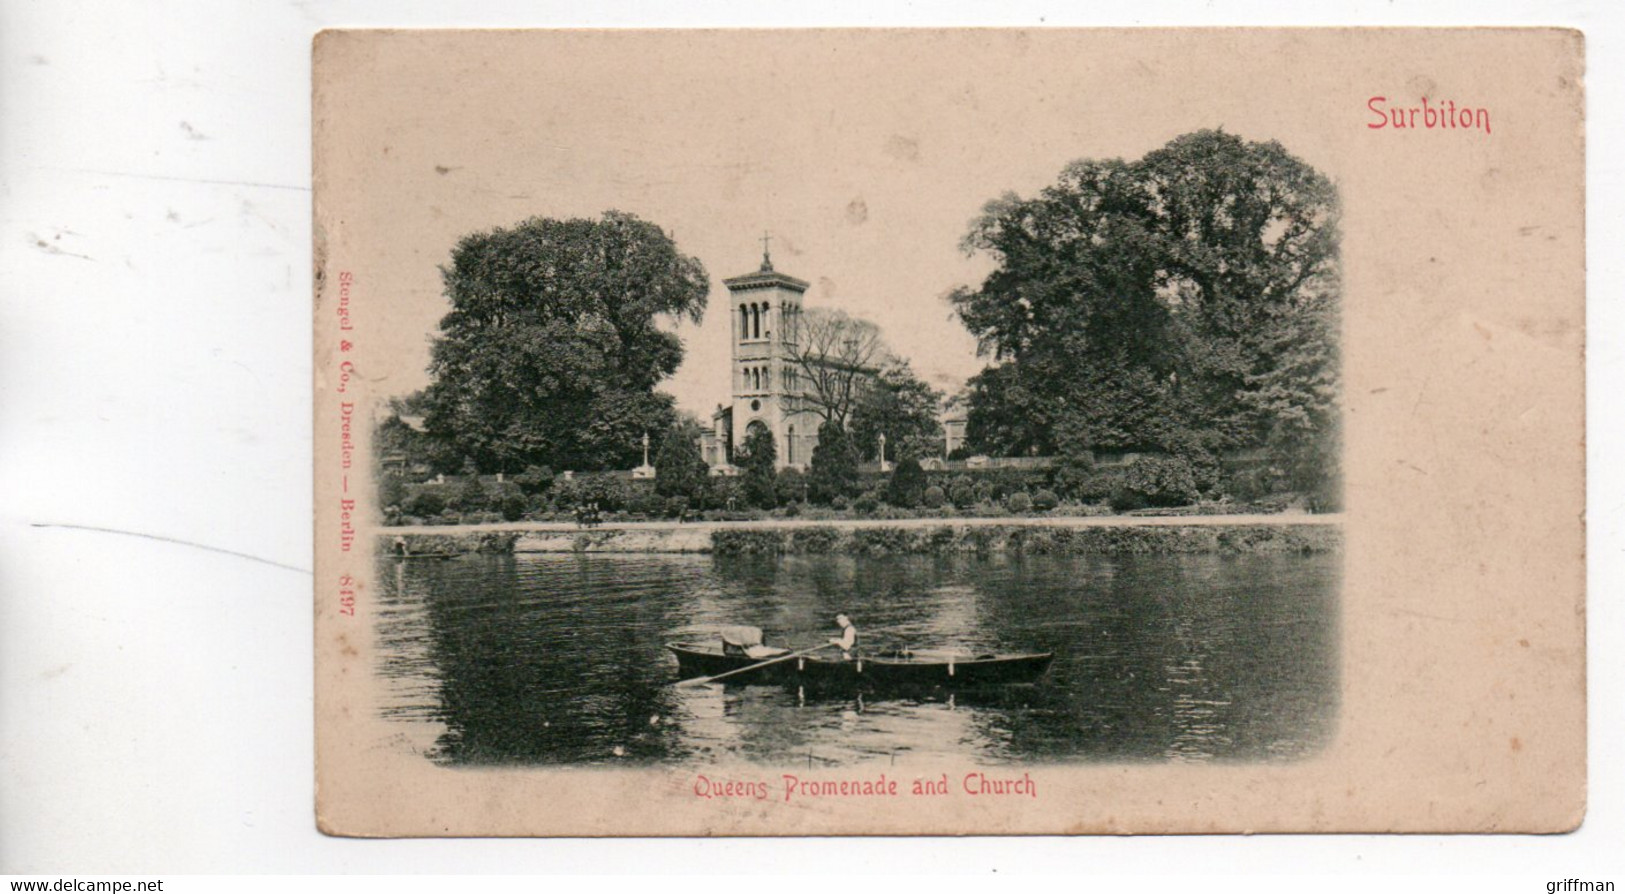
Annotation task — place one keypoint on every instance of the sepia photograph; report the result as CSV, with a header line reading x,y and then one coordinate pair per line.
x,y
1117,540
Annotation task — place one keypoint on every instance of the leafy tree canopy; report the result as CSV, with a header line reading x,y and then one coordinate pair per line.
x,y
1184,301
552,348
899,405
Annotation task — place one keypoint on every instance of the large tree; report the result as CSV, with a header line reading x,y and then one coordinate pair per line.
x,y
552,349
897,404
1004,418
1171,303
834,355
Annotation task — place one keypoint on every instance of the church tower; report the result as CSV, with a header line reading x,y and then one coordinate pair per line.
x,y
767,390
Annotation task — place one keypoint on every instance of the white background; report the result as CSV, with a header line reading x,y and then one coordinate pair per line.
x,y
155,698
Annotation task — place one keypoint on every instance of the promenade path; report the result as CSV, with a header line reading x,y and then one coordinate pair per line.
x,y
695,527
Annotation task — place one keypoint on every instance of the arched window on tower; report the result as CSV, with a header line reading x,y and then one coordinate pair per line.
x,y
767,378
756,379
744,323
790,444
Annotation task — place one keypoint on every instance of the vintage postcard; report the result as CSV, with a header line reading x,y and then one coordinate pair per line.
x,y
949,431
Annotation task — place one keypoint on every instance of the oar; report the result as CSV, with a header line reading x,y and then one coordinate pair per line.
x,y
750,667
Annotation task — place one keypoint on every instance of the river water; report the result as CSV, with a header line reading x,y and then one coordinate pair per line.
x,y
559,659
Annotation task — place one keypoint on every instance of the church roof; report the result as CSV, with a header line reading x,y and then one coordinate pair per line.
x,y
765,278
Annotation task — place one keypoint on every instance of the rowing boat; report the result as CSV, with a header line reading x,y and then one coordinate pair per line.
x,y
895,669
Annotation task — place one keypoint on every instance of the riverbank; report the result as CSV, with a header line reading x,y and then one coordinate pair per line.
x,y
1231,534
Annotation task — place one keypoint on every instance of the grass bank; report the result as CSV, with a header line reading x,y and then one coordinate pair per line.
x,y
1034,539
1119,536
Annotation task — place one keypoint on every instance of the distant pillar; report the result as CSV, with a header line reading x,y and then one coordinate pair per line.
x,y
645,470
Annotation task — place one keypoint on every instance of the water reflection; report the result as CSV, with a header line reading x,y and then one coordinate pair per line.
x,y
561,659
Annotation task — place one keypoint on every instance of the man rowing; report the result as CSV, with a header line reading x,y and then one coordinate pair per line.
x,y
849,636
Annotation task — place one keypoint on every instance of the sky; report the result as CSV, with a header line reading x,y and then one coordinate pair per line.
x,y
865,158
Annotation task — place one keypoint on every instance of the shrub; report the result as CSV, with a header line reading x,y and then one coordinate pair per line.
x,y
882,541
1098,487
1045,500
791,510
991,509
680,471
1019,502
983,491
1073,473
1249,483
676,507
962,494
866,503
722,491
534,480
471,495
612,494
1206,472
1155,481
645,501
425,504
933,498
840,502
833,471
513,507
907,484
758,457
791,486
737,541
392,492
815,540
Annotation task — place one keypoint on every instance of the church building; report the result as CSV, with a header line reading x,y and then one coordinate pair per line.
x,y
768,391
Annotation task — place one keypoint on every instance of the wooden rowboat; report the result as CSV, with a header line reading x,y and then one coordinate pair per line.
x,y
894,670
